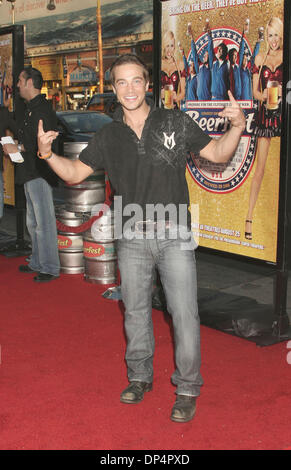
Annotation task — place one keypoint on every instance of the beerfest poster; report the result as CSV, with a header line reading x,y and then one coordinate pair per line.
x,y
219,45
6,98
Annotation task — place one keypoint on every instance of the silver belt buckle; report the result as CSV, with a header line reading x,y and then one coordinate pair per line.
x,y
144,226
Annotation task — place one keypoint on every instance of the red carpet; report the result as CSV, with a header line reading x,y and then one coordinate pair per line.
x,y
62,371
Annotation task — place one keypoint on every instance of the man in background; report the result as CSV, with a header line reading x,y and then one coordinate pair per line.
x,y
37,178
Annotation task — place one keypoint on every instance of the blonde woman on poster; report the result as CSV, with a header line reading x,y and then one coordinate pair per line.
x,y
6,84
267,88
173,74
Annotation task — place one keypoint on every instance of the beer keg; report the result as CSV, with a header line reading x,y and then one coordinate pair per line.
x,y
100,256
70,244
83,196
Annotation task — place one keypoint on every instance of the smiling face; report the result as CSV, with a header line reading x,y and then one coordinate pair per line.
x,y
170,48
169,45
273,38
130,86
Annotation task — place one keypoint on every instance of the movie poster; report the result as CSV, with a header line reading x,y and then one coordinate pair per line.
x,y
207,48
6,99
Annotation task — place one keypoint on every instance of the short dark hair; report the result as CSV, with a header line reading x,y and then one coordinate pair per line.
x,y
128,59
224,50
35,75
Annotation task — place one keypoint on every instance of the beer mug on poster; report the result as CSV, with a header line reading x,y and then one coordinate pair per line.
x,y
169,96
272,94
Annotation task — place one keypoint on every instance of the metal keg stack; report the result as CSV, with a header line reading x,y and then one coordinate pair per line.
x,y
99,251
92,252
70,244
83,196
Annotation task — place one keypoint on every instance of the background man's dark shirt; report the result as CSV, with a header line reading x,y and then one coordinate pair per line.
x,y
27,121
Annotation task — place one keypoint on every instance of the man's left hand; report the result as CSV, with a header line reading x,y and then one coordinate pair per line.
x,y
45,139
234,113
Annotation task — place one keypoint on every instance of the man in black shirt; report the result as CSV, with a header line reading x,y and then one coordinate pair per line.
x,y
37,178
144,152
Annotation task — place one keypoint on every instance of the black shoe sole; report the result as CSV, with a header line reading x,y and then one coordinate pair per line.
x,y
45,280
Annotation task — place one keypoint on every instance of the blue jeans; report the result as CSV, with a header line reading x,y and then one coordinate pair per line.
x,y
41,225
177,269
1,195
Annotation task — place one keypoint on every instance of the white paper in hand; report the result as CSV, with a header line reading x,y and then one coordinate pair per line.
x,y
14,157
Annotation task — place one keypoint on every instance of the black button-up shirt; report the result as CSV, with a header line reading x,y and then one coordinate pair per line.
x,y
149,170
32,167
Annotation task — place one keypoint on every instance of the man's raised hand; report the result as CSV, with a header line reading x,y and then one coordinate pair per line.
x,y
234,113
45,139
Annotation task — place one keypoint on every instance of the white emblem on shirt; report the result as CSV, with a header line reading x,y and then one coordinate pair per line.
x,y
169,141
